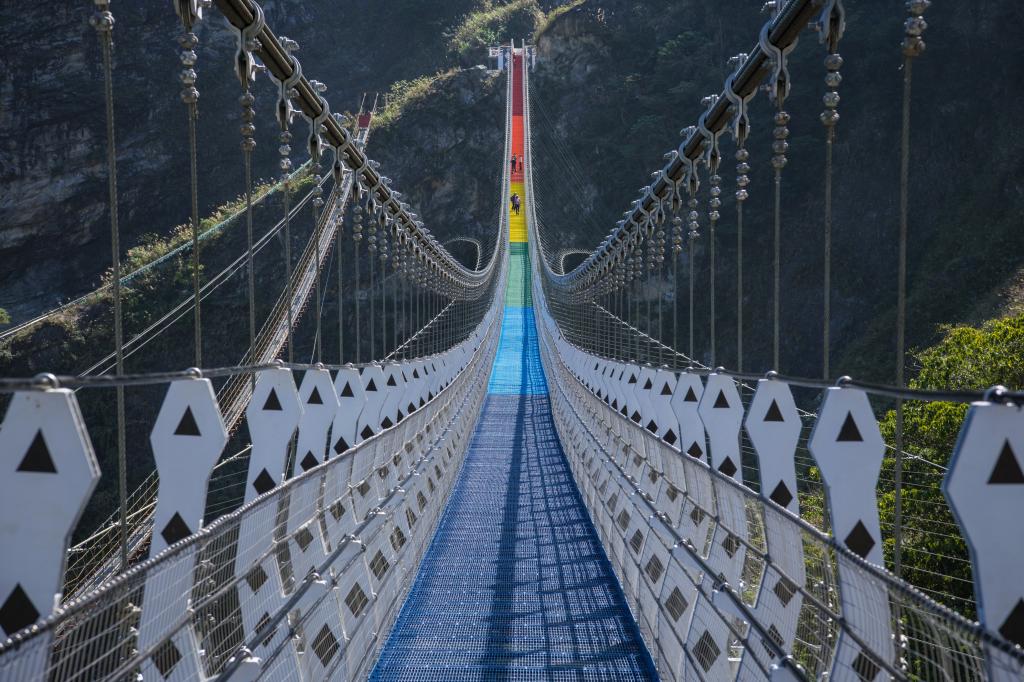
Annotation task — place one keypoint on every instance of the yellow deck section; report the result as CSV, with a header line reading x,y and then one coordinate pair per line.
x,y
517,223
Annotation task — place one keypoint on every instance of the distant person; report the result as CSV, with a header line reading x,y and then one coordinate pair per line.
x,y
515,204
514,163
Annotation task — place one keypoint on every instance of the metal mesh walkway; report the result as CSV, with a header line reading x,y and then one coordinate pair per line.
x,y
515,584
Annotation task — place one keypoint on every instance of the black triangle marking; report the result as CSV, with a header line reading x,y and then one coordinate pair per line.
x,y
721,401
1007,468
774,414
632,378
347,391
314,398
691,397
1012,628
38,460
309,461
391,380
187,426
665,390
647,385
415,374
272,402
849,433
371,386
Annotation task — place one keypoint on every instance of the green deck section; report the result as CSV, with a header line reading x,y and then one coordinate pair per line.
x,y
518,292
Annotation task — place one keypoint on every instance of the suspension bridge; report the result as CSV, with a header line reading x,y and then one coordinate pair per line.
x,y
527,478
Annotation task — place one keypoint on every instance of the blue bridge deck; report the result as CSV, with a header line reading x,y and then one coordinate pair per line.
x,y
515,584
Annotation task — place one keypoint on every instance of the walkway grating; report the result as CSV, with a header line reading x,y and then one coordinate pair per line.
x,y
515,584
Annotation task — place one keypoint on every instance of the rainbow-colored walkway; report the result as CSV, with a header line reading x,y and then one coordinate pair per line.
x,y
515,584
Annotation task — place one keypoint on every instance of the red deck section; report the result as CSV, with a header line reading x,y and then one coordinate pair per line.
x,y
517,115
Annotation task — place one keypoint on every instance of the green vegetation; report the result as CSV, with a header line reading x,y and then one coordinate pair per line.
x,y
492,24
550,18
405,93
967,358
5,318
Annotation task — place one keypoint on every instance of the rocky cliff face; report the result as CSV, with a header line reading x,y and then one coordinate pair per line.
x,y
614,88
54,229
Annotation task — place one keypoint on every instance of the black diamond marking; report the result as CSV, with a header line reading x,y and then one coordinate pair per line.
x,y
303,538
721,401
391,380
387,423
774,414
849,433
860,541
272,402
706,652
784,590
727,467
337,510
341,446
623,411
615,404
187,426
648,385
697,516
256,578
691,397
731,545
309,461
263,482
665,390
175,530
775,636
652,426
865,668
1007,468
314,398
325,646
676,604
17,611
37,459
1012,628
166,657
346,392
670,437
371,386
635,417
261,625
781,495
367,432
694,450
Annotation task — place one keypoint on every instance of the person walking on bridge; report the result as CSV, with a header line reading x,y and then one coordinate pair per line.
x,y
515,204
514,163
